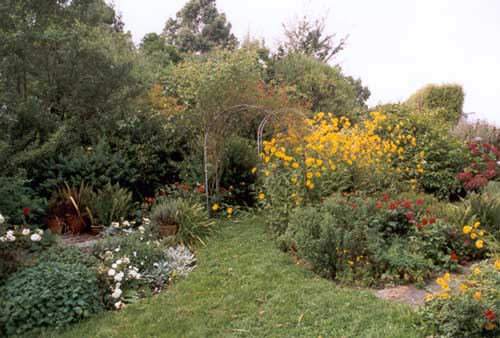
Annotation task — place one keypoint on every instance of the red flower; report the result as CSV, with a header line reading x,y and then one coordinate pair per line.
x,y
201,189
185,187
420,227
489,314
420,202
392,206
453,256
378,205
424,221
409,215
386,197
26,211
407,204
432,220
150,200
353,206
427,212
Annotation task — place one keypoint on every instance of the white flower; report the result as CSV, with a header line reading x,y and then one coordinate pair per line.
x,y
36,237
134,274
108,253
119,276
118,305
114,266
3,239
126,260
40,232
10,233
2,219
119,261
25,231
115,224
498,163
134,253
141,229
126,224
146,220
111,272
116,293
117,250
478,139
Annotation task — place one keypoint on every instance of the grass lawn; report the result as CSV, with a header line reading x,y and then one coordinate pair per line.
x,y
245,287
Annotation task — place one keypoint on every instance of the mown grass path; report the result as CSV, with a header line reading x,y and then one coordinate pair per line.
x,y
245,287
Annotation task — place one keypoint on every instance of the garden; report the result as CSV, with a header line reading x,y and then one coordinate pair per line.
x,y
200,186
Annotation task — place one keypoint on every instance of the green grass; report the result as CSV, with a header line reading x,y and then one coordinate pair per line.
x,y
245,287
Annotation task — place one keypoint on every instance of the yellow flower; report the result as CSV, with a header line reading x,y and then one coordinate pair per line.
x,y
477,296
267,159
466,229
481,233
215,207
490,326
295,165
254,170
294,179
230,210
477,271
443,295
429,297
464,287
447,276
267,173
309,175
262,196
473,235
440,281
497,264
476,225
479,244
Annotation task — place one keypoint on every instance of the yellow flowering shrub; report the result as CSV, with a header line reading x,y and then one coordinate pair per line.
x,y
325,154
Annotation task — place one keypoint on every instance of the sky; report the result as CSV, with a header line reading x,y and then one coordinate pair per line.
x,y
394,46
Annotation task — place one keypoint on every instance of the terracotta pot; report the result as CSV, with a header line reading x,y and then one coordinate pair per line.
x,y
55,225
75,224
168,230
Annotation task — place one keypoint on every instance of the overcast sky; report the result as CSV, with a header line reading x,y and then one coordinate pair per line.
x,y
394,46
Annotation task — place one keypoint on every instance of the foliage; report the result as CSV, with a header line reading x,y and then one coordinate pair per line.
x,y
165,212
16,196
199,27
468,310
474,130
445,101
322,87
111,203
308,37
155,47
66,255
49,294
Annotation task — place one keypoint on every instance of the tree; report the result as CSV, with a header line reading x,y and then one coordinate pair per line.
x,y
155,47
199,27
309,38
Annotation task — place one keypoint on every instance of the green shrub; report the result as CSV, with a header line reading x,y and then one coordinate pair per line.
x,y
111,203
166,212
445,101
66,255
49,295
194,225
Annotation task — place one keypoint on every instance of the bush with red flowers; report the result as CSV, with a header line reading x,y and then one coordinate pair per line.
x,y
484,166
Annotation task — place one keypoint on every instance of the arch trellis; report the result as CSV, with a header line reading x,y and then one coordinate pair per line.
x,y
227,120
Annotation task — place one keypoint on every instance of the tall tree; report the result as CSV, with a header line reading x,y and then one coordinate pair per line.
x,y
309,37
199,27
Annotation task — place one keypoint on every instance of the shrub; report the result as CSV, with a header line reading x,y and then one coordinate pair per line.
x,y
111,203
194,225
483,167
67,255
446,101
49,295
466,310
165,212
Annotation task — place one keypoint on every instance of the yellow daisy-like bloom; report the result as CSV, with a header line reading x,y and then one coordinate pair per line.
x,y
440,281
215,207
230,210
295,165
447,276
467,229
477,271
497,264
262,196
490,326
267,173
481,233
254,170
309,175
479,244
477,296
476,225
443,295
429,297
464,287
473,235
